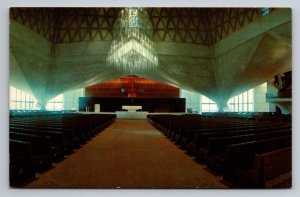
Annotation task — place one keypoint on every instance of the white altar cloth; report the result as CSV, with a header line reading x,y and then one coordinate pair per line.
x,y
132,108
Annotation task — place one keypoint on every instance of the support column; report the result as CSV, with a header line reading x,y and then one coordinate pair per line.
x,y
41,105
223,107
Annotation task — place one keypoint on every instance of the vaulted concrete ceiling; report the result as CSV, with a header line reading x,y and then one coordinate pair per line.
x,y
190,25
217,52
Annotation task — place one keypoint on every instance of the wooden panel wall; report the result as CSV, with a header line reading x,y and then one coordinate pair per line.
x,y
132,87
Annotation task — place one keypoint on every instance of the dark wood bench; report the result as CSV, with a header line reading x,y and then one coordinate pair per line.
x,y
57,140
218,146
201,139
41,149
71,140
267,166
242,156
21,164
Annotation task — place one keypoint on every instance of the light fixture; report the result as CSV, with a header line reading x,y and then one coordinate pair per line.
x,y
132,48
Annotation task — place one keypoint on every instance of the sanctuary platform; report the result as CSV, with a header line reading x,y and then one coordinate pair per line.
x,y
134,115
131,114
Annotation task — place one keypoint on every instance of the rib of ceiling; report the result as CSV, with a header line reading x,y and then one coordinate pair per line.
x,y
85,63
246,58
216,52
17,78
184,65
272,56
34,69
29,62
253,55
204,26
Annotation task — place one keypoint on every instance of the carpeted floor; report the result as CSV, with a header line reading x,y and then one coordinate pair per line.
x,y
128,154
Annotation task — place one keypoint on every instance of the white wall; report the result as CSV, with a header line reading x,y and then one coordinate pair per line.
x,y
71,99
273,91
192,100
260,104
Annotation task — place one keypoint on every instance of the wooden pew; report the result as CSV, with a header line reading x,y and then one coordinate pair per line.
x,y
41,149
242,156
57,140
21,164
218,145
267,166
71,140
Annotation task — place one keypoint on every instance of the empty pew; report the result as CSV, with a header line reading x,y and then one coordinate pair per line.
x,y
242,156
57,140
47,136
214,133
218,145
267,166
71,140
21,164
201,138
41,149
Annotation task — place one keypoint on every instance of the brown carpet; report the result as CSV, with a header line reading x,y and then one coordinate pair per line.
x,y
128,154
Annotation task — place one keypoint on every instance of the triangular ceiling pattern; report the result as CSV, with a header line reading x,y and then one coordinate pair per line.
x,y
213,51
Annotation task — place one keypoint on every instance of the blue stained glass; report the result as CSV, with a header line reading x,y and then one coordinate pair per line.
x,y
133,17
265,11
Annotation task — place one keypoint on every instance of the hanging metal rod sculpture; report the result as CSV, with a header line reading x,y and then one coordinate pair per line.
x,y
132,48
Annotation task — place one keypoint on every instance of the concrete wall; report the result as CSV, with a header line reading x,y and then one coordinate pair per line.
x,y
273,91
228,68
260,104
29,61
71,99
192,100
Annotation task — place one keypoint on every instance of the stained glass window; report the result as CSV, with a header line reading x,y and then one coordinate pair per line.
x,y
265,11
133,17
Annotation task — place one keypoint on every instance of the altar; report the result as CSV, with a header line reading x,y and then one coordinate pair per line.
x,y
131,113
131,108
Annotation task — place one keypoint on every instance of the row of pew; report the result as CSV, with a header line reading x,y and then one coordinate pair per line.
x,y
262,116
247,153
37,142
34,113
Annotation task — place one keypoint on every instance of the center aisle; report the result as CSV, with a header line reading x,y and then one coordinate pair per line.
x,y
128,154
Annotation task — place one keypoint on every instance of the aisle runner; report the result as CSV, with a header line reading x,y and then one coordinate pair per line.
x,y
128,154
